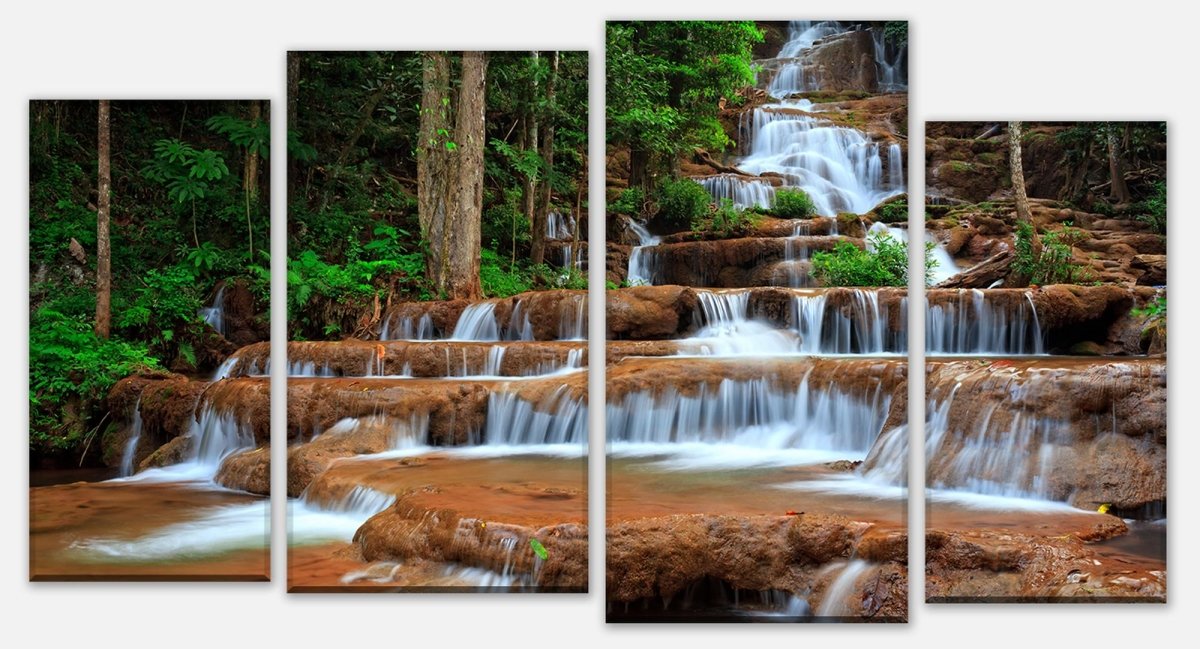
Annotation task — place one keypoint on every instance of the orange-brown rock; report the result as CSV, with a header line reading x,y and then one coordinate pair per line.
x,y
965,565
649,312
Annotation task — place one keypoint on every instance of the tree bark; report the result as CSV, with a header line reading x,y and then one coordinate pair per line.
x,y
982,275
529,189
103,254
433,175
538,254
250,170
1020,198
1118,190
1018,172
639,163
467,190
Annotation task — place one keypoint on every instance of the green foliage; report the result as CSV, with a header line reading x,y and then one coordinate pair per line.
x,y
665,79
71,371
1154,311
884,263
343,289
1154,208
894,212
187,172
681,201
727,220
793,203
178,228
895,32
629,203
1054,263
251,135
497,281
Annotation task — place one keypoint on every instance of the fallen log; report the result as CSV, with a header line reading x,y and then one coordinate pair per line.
x,y
982,275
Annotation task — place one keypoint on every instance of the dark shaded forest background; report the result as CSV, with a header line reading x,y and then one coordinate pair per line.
x,y
355,243
189,215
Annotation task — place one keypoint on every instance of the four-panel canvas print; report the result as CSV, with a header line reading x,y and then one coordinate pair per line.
x,y
757,333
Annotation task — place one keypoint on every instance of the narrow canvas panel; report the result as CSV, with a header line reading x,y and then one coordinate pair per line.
x,y
149,281
437,354
1046,420
756,316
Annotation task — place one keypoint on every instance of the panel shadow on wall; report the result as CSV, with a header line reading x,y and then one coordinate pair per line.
x,y
149,225
437,294
756,318
1046,362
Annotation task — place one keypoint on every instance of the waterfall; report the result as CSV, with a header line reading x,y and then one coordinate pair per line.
x,y
641,260
409,329
214,314
857,327
559,227
755,413
217,434
973,324
840,168
743,192
557,418
796,251
478,322
135,436
835,601
572,321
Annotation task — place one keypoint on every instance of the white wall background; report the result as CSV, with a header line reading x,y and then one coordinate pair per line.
x,y
1016,59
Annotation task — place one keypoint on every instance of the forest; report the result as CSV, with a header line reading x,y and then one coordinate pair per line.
x,y
140,214
420,176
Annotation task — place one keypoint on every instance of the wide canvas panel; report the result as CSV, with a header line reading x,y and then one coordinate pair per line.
x,y
149,285
757,321
1045,431
437,293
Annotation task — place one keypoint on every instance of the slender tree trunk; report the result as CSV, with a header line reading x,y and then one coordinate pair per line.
x,y
1020,198
529,191
467,190
1117,190
1018,172
103,254
433,172
250,174
538,254
293,97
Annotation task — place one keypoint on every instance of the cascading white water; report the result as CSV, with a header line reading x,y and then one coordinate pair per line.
x,y
217,434
478,322
558,418
559,227
860,327
756,413
408,329
974,324
840,168
837,595
641,260
741,191
135,436
214,314
572,319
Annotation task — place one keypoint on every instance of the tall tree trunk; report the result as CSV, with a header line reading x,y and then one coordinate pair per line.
x,y
1018,172
1118,190
1020,198
433,166
103,254
466,201
293,125
639,164
538,254
529,189
250,174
